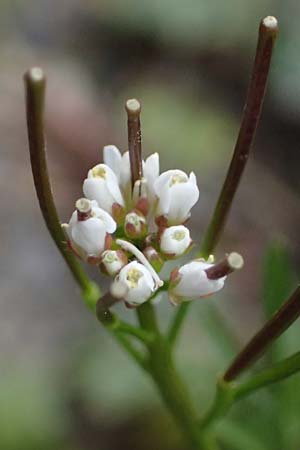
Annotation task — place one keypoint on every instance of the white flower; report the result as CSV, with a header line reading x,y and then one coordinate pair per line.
x,y
177,194
120,164
112,261
88,230
191,282
138,281
175,240
102,185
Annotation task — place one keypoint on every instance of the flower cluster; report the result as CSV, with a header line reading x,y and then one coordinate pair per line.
x,y
130,231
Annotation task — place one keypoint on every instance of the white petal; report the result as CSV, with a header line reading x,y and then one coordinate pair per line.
x,y
115,192
151,167
183,197
151,173
113,159
194,282
166,177
193,179
96,189
90,236
125,177
144,287
170,243
164,199
110,224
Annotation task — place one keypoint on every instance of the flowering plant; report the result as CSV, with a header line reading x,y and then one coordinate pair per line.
x,y
130,222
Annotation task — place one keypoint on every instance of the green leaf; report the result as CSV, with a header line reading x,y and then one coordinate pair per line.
x,y
277,277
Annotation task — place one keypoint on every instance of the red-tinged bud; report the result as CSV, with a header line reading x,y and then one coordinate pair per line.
x,y
135,225
93,260
161,222
118,213
108,241
154,258
142,205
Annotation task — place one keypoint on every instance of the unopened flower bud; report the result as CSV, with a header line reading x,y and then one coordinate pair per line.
x,y
88,230
136,283
135,225
154,258
191,282
175,241
112,262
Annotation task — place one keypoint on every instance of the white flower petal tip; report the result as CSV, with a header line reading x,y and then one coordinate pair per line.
x,y
191,282
102,185
177,193
112,158
88,231
112,262
138,281
175,241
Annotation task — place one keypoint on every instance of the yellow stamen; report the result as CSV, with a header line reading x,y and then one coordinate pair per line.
x,y
99,172
133,277
178,178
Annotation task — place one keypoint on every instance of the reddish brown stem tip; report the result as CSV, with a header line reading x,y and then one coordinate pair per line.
x,y
234,261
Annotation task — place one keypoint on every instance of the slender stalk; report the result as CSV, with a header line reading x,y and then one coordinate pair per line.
x,y
268,31
126,344
278,323
228,393
133,108
35,85
144,336
273,374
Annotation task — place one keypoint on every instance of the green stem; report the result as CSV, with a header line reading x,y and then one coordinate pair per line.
x,y
251,115
144,336
168,381
126,344
273,374
228,393
35,85
177,323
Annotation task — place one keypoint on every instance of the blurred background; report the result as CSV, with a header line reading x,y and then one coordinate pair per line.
x,y
64,383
